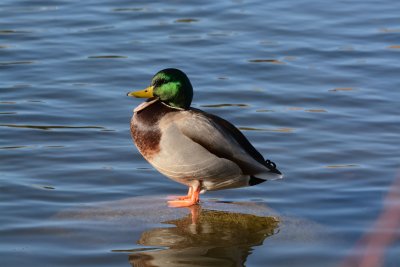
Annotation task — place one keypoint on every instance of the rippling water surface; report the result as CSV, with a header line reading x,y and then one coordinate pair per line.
x,y
314,85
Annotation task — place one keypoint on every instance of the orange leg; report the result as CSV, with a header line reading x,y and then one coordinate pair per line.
x,y
191,199
189,195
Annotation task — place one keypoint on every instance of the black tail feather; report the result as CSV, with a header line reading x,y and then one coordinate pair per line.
x,y
271,166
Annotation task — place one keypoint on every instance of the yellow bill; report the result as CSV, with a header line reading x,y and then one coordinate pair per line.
x,y
145,93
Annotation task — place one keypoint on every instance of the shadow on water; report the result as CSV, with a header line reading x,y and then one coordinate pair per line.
x,y
204,238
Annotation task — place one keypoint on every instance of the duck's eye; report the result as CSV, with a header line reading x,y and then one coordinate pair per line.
x,y
158,82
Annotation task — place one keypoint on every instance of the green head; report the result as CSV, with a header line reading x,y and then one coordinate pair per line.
x,y
171,86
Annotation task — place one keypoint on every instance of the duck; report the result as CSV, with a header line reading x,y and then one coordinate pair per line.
x,y
190,146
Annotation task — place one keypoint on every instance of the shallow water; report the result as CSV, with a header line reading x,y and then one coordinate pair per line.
x,y
314,86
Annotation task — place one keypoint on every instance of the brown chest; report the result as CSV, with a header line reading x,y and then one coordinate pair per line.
x,y
146,137
145,128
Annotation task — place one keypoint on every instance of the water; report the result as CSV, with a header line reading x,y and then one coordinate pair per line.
x,y
314,86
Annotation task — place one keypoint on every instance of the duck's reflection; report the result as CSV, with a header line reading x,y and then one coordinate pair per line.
x,y
205,238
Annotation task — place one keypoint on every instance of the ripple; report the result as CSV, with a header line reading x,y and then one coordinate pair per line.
x,y
50,127
47,187
16,63
342,166
135,250
250,129
315,110
281,130
18,147
21,85
107,56
54,146
29,9
265,110
269,42
13,32
342,89
220,34
295,108
273,61
388,30
275,130
186,37
8,113
144,168
188,20
290,58
13,147
224,105
96,29
128,9
80,84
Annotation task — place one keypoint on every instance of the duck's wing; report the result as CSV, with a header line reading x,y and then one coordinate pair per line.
x,y
238,136
224,140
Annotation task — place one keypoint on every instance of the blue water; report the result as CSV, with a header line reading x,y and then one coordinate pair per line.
x,y
314,85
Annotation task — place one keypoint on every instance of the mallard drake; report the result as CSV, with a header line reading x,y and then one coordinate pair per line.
x,y
190,146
